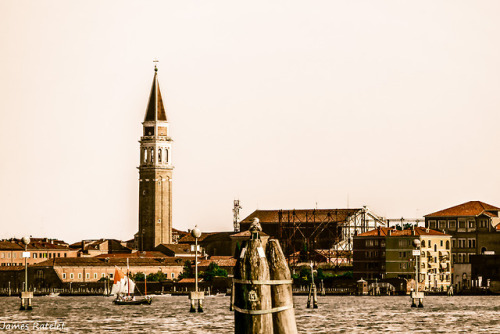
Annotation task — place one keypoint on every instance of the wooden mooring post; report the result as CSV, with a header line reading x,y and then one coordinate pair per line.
x,y
261,295
312,291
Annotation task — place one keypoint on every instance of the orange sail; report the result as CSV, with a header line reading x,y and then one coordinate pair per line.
x,y
119,275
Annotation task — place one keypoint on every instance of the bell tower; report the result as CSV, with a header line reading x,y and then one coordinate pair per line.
x,y
155,174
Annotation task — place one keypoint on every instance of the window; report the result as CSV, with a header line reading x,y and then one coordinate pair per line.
x,y
79,275
152,156
111,275
432,224
461,243
95,275
13,255
39,273
34,255
447,244
441,243
482,223
435,247
472,243
87,276
71,276
145,155
2,255
454,258
453,224
453,243
442,224
472,224
64,275
173,275
166,155
65,254
461,224
369,243
58,254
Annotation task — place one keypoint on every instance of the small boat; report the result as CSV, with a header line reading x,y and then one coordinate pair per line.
x,y
145,300
123,286
53,294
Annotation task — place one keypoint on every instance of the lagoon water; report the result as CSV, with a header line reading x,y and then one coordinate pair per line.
x,y
336,314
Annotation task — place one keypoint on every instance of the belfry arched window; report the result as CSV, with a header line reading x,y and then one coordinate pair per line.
x,y
166,155
152,155
145,155
159,155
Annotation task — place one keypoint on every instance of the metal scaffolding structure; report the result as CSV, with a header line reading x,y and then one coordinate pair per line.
x,y
306,235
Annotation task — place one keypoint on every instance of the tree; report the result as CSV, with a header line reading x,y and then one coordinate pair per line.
x,y
138,277
159,276
212,271
187,271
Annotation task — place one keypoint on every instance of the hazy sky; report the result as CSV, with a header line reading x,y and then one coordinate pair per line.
x,y
282,104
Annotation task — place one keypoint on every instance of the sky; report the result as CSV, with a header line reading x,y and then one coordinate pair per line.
x,y
281,104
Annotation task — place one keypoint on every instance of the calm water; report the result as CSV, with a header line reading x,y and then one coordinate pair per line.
x,y
335,315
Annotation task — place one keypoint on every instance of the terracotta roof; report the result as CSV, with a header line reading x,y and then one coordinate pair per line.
x,y
190,280
318,215
11,268
188,238
7,245
178,249
397,233
152,254
103,262
221,261
155,110
469,209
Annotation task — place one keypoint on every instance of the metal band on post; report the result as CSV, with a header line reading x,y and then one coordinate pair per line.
x,y
258,312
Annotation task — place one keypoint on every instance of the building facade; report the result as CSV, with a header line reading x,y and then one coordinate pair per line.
x,y
40,249
388,253
155,175
473,227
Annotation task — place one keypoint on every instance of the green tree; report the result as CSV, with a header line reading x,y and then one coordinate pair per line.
x,y
187,271
138,277
212,271
156,277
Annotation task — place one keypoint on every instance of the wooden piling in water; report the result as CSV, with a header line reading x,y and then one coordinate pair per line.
x,y
252,298
281,294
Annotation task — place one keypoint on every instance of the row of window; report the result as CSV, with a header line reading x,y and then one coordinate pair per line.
x,y
374,243
441,244
463,243
12,264
452,224
461,258
40,255
88,275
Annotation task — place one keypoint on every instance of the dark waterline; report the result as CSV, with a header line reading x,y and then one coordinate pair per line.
x,y
342,314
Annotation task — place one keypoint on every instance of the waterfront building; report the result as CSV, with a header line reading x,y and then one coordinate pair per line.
x,y
388,253
474,230
41,249
93,269
155,175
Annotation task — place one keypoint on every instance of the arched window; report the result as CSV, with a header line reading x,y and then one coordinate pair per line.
x,y
441,243
145,155
152,155
447,244
166,155
435,247
159,155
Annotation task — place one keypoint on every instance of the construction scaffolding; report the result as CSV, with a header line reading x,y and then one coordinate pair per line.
x,y
307,235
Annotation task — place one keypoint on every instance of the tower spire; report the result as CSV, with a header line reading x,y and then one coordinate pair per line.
x,y
155,110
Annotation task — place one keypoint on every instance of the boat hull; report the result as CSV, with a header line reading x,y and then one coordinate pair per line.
x,y
145,301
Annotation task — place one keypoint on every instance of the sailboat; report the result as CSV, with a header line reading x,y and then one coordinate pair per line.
x,y
123,287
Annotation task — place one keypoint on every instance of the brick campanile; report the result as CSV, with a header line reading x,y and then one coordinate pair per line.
x,y
155,175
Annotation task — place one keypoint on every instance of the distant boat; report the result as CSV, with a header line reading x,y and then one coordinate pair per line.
x,y
53,294
124,286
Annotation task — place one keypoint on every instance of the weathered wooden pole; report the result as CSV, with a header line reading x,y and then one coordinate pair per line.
x,y
312,291
281,290
26,296
252,293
